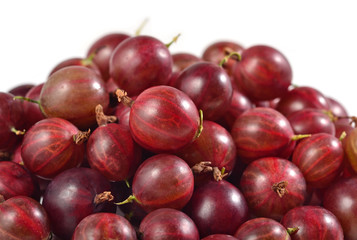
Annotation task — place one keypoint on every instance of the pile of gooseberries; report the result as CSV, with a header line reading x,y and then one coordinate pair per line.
x,y
133,141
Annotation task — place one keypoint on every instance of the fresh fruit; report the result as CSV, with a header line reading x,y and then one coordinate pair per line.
x,y
21,218
162,118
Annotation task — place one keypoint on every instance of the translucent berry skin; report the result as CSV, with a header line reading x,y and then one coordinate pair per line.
x,y
209,87
341,199
300,98
217,207
48,148
112,151
163,181
163,119
11,117
23,218
262,132
70,197
104,226
257,185
168,224
313,222
310,121
216,51
320,158
263,73
72,93
103,48
262,228
15,180
215,145
140,62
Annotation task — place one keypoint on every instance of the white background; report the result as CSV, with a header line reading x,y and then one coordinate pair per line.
x,y
319,38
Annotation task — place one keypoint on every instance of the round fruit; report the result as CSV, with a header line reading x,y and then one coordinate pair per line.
x,y
263,73
273,186
313,222
22,218
72,93
163,181
51,146
320,159
261,229
140,62
15,181
104,226
209,87
341,199
262,132
73,195
217,207
162,118
168,224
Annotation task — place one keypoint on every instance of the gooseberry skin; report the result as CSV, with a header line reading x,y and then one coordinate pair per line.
x,y
300,98
168,224
239,104
216,51
219,237
163,119
311,121
257,185
49,148
320,159
261,229
262,132
313,222
103,48
209,87
104,226
140,62
341,199
215,145
183,60
163,181
32,111
15,180
11,117
72,93
70,197
23,218
217,207
112,151
263,73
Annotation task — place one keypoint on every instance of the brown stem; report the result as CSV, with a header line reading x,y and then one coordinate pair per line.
x,y
123,97
280,188
81,137
202,167
218,175
101,118
4,156
103,197
352,118
2,198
